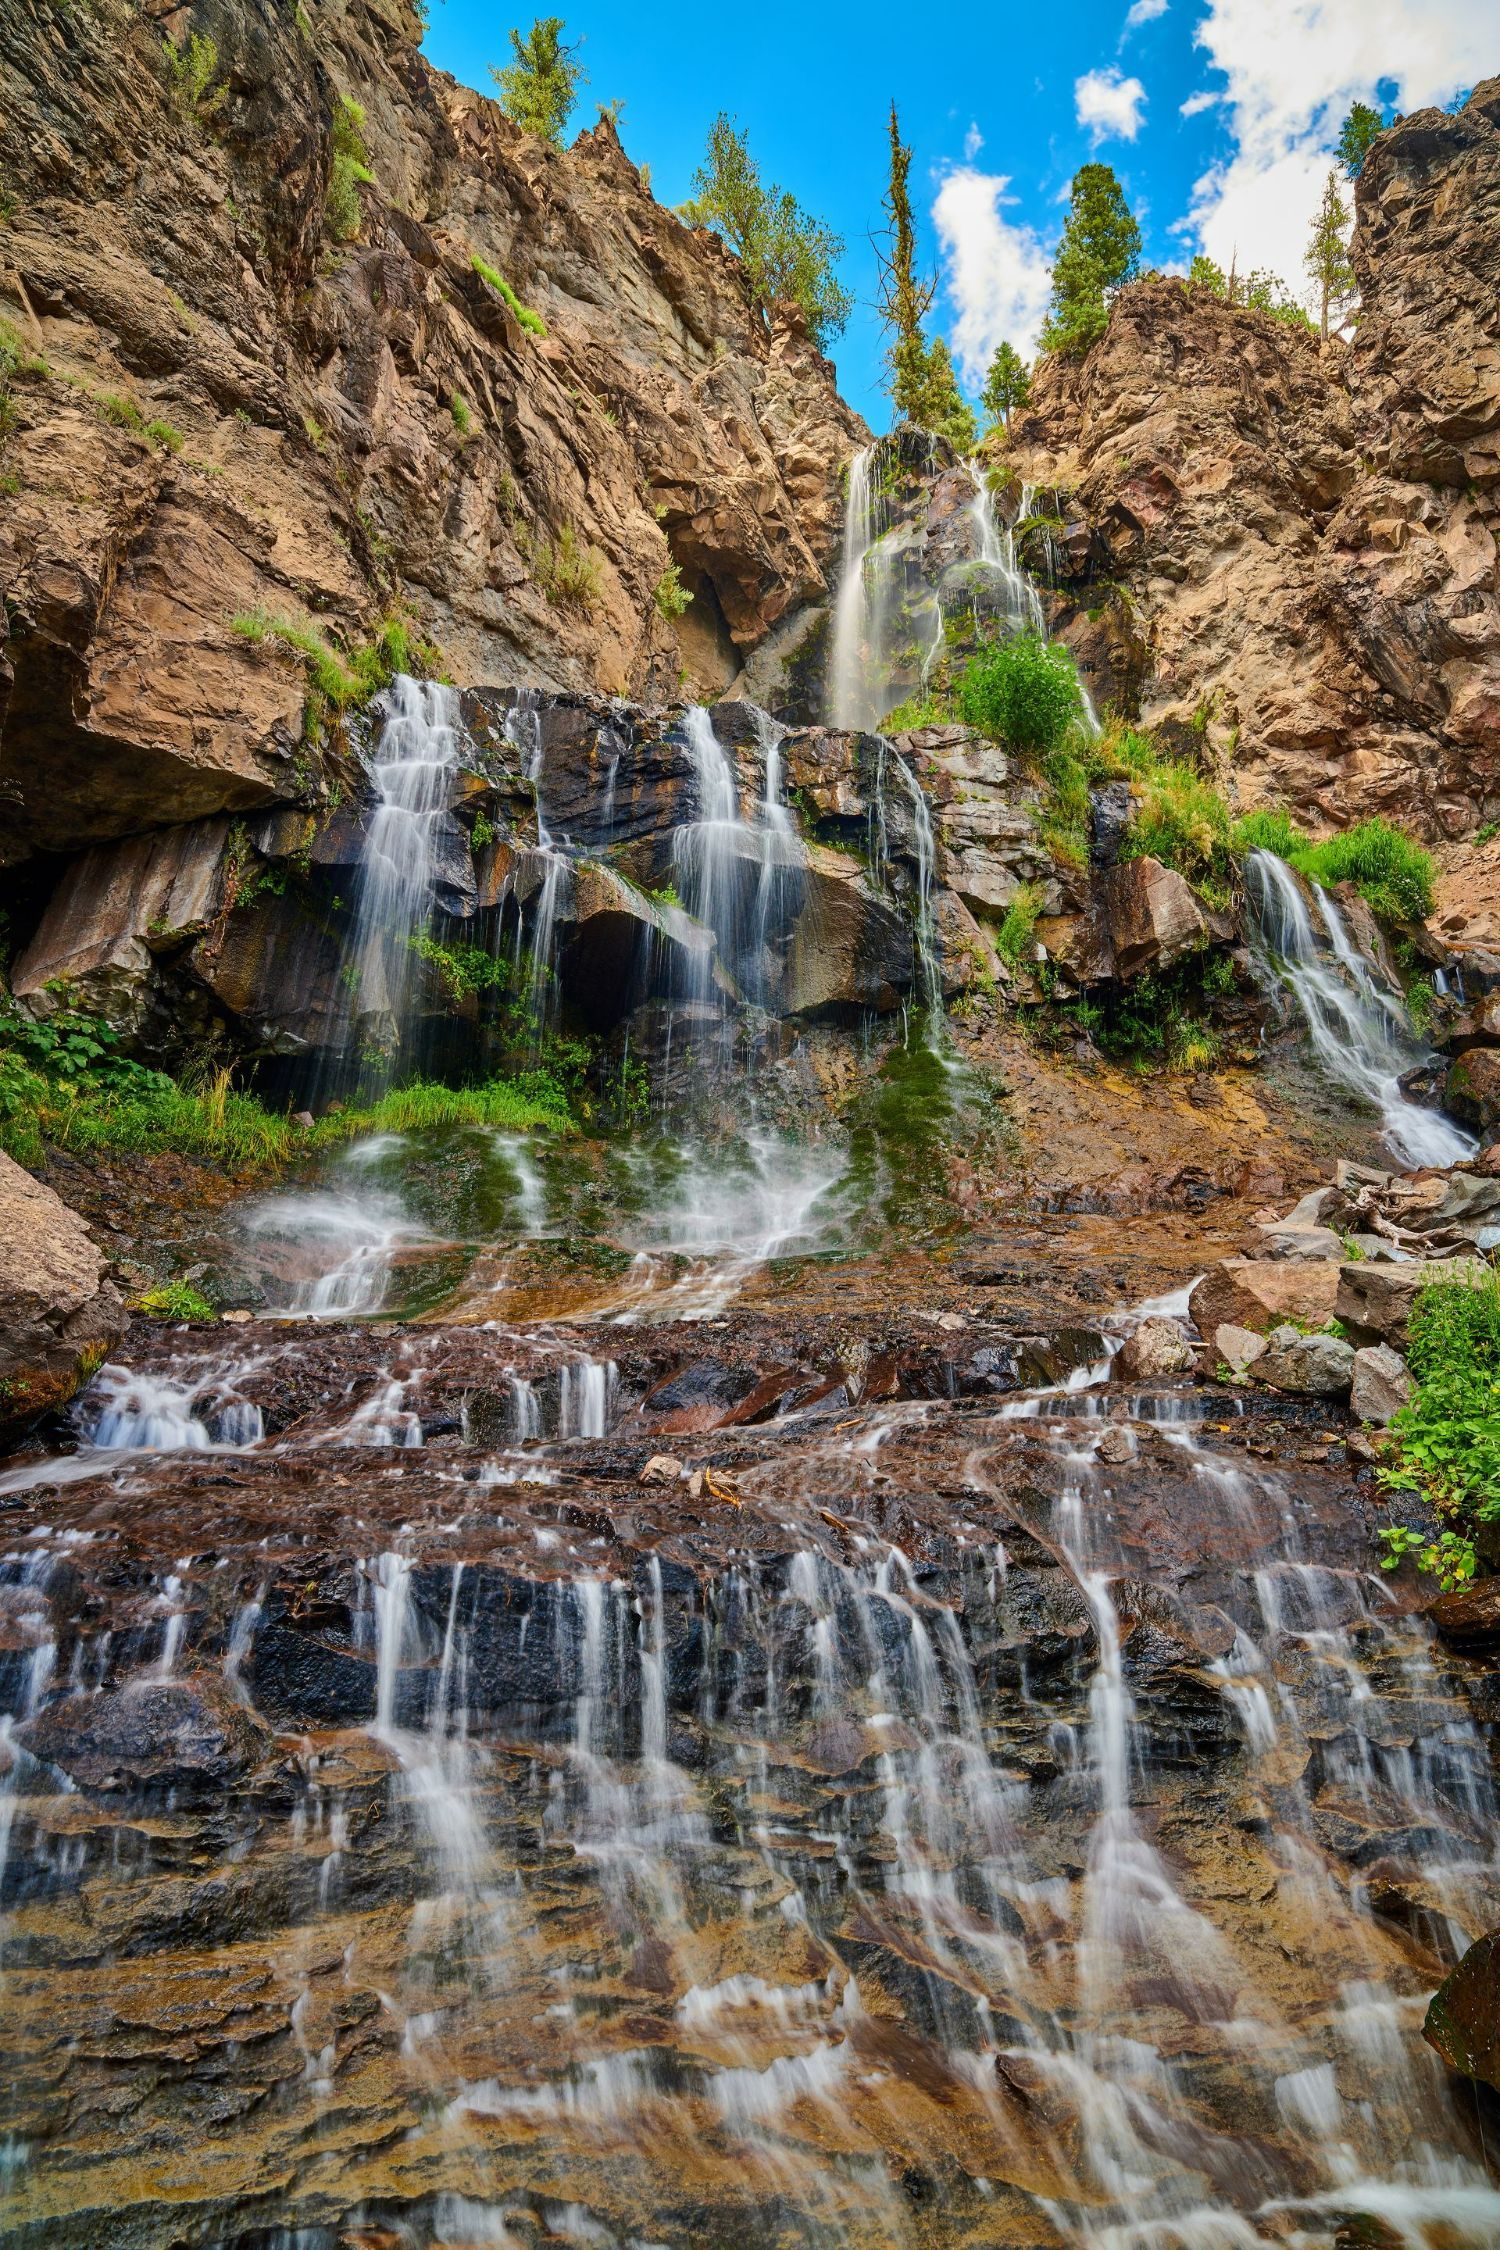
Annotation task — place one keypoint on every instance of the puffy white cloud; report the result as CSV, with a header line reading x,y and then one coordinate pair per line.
x,y
1108,105
1291,74
973,143
997,275
1144,11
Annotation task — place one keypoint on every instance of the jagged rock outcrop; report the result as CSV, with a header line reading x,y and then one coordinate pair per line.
x,y
1291,545
218,410
58,1314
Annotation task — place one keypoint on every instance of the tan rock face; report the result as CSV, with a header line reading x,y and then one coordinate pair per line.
x,y
1307,532
360,426
1376,1301
58,1314
1255,1293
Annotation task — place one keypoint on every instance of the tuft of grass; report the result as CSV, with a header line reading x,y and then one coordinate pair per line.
x,y
164,436
1271,829
531,321
1392,872
348,170
341,681
192,68
463,419
1013,939
122,412
173,1300
568,573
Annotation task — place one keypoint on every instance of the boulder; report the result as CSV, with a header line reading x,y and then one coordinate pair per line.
x,y
114,909
1158,1349
965,948
1255,1293
1375,1301
1287,1241
1382,1384
190,1735
1472,1088
849,948
1150,914
59,1316
1238,1348
277,968
1469,1618
1320,1365
623,945
1463,2018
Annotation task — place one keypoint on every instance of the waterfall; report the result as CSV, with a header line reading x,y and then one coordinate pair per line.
x,y
849,666
1360,1032
1008,590
411,768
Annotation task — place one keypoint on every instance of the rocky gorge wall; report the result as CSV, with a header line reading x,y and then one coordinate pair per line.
x,y
218,409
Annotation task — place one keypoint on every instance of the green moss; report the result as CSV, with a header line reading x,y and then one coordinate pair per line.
x,y
531,321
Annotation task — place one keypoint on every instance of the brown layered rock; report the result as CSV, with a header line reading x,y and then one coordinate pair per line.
x,y
59,1316
1463,2020
1307,531
349,428
1375,1301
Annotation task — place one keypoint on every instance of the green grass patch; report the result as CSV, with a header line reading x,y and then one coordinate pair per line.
x,y
531,321
173,1300
1393,873
1014,938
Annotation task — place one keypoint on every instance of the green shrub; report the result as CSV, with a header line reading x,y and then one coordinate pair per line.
x,y
463,420
191,70
164,436
349,168
1448,1437
1270,829
339,681
122,412
1023,692
1014,938
464,969
671,596
173,1300
1391,872
531,321
1181,820
568,573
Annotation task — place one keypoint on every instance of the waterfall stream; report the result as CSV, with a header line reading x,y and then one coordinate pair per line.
x,y
1360,1030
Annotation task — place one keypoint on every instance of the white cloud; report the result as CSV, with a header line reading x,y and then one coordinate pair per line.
x,y
1144,11
1109,105
997,275
973,143
1197,103
1291,74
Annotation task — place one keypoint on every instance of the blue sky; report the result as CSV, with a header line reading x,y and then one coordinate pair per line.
x,y
1217,114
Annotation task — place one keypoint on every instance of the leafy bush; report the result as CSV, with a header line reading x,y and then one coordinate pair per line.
x,y
191,70
464,969
531,321
1023,692
1392,873
173,1300
539,87
568,573
785,251
348,169
671,596
1448,1437
1013,939
1181,820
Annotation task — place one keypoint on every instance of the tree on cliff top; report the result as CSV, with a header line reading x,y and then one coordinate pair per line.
x,y
539,88
924,388
1006,387
1328,260
1100,249
785,251
1360,131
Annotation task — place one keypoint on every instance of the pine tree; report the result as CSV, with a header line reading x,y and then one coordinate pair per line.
x,y
1100,249
942,407
1360,131
1328,253
1006,387
904,299
785,251
539,88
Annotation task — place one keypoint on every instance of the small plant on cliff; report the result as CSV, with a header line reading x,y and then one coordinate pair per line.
x,y
463,420
568,573
464,970
671,596
1016,934
1391,872
540,86
531,321
348,169
1269,829
1023,691
122,412
1181,820
1100,250
192,67
785,251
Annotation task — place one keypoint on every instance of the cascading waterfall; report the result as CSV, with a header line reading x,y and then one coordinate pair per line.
x,y
1359,1029
850,668
411,768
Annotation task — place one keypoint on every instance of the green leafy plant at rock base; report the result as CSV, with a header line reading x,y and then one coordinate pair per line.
x,y
173,1300
1447,1439
1023,692
531,321
465,969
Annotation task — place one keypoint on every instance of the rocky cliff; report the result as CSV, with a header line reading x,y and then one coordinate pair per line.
x,y
227,398
1292,543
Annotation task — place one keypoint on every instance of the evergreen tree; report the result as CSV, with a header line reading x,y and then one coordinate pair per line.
x,y
942,407
785,251
1360,131
539,88
1006,387
905,298
1100,249
1328,253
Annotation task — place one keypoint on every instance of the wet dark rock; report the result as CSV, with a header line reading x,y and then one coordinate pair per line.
x,y
1463,2020
188,1735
